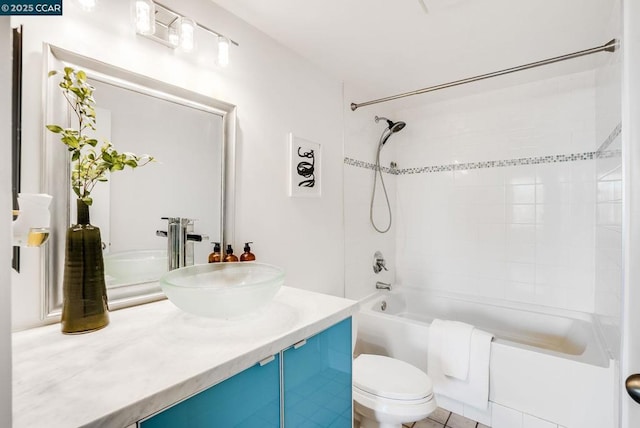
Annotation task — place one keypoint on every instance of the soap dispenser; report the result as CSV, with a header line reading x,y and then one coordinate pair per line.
x,y
247,256
230,257
215,257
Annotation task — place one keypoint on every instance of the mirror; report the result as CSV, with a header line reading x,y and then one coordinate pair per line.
x,y
191,136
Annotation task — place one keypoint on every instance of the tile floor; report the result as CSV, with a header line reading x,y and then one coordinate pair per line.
x,y
445,419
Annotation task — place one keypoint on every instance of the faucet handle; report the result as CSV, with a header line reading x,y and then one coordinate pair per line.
x,y
197,237
379,262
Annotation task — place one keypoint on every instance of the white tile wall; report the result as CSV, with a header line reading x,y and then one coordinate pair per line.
x,y
361,241
482,416
495,416
522,233
608,247
608,241
504,417
529,421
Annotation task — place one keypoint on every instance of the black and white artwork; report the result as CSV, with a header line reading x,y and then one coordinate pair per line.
x,y
304,167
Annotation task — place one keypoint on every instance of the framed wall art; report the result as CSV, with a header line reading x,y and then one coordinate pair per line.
x,y
305,160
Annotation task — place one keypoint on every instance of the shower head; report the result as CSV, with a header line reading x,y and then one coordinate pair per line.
x,y
392,128
397,126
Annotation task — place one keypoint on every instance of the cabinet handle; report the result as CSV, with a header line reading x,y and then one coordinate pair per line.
x,y
266,360
300,344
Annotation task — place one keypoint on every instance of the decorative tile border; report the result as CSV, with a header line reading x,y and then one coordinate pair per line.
x,y
477,165
500,163
536,160
368,165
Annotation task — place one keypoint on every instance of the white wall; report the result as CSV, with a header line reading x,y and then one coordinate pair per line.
x,y
276,92
5,209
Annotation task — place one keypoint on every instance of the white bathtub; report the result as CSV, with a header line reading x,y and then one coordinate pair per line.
x,y
546,363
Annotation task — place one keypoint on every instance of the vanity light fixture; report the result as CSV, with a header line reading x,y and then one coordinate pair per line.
x,y
143,12
223,51
166,26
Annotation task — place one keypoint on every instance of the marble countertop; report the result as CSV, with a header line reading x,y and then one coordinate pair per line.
x,y
151,356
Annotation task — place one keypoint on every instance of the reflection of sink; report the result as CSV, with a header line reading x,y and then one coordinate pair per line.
x,y
134,267
222,290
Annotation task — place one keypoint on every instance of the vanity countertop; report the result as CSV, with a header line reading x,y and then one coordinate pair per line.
x,y
150,357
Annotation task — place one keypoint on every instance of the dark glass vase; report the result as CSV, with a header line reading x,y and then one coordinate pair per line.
x,y
84,300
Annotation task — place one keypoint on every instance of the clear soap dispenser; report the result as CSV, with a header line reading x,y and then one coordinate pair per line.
x,y
247,256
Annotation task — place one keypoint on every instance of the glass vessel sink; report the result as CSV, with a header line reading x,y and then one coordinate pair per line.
x,y
134,267
222,290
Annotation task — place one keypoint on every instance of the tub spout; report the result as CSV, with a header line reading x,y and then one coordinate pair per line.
x,y
383,286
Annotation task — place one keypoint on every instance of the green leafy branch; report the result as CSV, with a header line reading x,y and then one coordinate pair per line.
x,y
90,165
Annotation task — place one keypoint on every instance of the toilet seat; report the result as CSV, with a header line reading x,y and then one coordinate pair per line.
x,y
391,379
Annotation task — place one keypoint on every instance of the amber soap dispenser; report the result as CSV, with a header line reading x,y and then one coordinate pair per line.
x,y
215,257
247,256
230,257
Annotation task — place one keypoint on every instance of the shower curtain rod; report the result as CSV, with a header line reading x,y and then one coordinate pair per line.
x,y
610,46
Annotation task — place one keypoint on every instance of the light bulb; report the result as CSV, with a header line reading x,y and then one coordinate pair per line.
x,y
173,33
186,30
87,5
144,15
223,51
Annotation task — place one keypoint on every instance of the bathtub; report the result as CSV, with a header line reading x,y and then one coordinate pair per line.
x,y
545,363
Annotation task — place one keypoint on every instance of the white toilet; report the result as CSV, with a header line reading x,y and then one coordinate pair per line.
x,y
388,392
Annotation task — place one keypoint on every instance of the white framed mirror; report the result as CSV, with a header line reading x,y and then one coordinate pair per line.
x,y
193,139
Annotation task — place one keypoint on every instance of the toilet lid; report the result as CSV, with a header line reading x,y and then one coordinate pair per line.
x,y
390,378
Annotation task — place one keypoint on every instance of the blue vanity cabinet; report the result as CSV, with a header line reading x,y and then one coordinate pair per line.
x,y
249,399
308,385
317,380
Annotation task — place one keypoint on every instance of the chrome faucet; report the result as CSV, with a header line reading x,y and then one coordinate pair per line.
x,y
383,286
180,241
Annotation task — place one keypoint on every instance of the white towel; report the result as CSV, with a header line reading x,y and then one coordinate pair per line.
x,y
456,349
475,389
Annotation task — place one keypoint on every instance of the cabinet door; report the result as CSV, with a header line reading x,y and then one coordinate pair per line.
x,y
317,380
249,399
